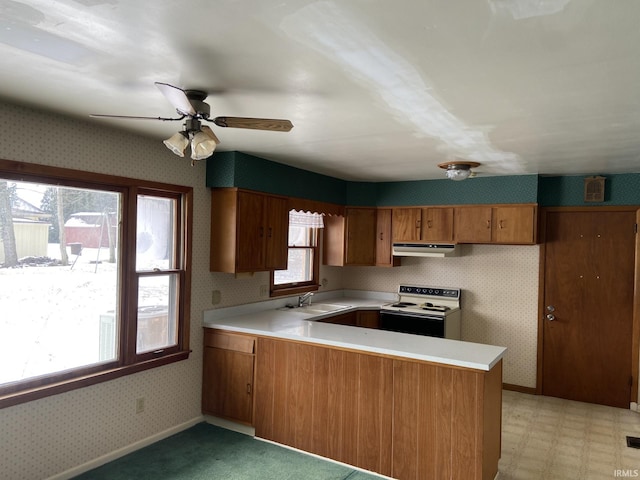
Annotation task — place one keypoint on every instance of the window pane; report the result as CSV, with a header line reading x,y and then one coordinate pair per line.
x,y
156,232
300,267
157,312
301,236
58,278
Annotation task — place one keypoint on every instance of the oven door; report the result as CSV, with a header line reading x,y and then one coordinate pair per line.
x,y
416,324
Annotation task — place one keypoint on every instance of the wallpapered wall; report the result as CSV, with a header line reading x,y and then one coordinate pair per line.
x,y
499,298
52,435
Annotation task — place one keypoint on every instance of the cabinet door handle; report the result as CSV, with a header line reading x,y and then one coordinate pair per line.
x,y
488,223
381,236
248,389
270,232
428,223
500,224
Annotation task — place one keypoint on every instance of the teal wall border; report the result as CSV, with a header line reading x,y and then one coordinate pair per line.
x,y
237,169
568,191
509,189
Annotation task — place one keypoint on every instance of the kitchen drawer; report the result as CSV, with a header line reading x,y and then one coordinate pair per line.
x,y
229,341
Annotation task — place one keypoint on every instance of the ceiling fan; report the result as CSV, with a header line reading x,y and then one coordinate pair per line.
x,y
190,104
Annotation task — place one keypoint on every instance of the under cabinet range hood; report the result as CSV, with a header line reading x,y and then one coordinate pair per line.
x,y
407,249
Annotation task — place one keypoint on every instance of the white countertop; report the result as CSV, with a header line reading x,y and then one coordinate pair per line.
x,y
270,319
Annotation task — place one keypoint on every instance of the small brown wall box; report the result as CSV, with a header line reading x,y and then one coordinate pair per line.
x,y
594,189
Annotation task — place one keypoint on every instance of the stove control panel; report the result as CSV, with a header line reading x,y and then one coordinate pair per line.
x,y
429,291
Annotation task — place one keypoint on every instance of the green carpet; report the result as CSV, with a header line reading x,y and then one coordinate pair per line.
x,y
207,452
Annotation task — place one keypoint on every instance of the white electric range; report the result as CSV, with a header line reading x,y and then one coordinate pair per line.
x,y
424,310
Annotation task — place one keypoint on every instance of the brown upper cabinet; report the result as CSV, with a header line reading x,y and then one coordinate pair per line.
x,y
248,231
506,224
406,224
428,224
384,257
351,240
515,224
472,224
437,224
360,246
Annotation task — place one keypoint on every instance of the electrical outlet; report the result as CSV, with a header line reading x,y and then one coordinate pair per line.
x,y
264,290
140,405
215,297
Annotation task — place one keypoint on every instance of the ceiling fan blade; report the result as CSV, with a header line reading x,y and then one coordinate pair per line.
x,y
164,119
209,132
270,124
177,97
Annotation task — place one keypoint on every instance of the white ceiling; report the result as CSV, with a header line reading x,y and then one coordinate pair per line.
x,y
377,90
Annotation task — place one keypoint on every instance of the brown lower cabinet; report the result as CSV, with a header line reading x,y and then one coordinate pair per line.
x,y
228,375
350,318
368,318
361,318
402,418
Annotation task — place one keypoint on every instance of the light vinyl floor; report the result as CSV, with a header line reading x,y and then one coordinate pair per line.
x,y
555,439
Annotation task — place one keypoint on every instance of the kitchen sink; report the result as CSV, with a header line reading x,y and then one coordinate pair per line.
x,y
322,308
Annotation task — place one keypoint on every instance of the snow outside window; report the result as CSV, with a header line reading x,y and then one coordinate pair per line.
x,y
74,301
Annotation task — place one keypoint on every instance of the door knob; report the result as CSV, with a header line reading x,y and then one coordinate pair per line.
x,y
551,308
551,317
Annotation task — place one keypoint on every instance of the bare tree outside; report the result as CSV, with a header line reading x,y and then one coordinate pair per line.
x,y
6,227
64,258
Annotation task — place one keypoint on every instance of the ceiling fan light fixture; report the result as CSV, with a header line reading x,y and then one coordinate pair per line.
x,y
458,170
203,143
177,143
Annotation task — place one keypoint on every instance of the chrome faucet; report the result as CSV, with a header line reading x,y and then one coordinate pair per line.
x,y
304,298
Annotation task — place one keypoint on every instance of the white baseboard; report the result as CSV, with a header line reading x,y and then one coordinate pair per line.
x,y
121,452
229,425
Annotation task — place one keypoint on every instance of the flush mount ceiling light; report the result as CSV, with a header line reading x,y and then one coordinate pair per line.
x,y
458,170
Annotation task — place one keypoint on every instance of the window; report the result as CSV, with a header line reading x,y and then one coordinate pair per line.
x,y
301,274
94,278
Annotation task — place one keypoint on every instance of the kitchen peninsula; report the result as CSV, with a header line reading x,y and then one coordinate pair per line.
x,y
405,406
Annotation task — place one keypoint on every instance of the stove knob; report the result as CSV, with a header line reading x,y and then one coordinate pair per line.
x,y
437,292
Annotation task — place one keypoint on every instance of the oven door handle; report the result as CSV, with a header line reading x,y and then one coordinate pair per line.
x,y
411,315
